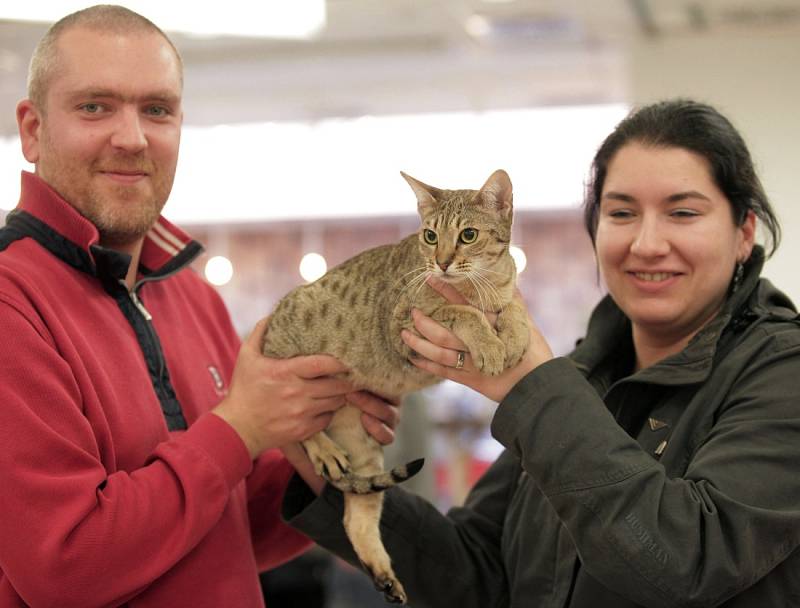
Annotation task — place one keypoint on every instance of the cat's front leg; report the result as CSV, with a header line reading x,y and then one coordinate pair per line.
x,y
401,319
470,325
512,329
329,460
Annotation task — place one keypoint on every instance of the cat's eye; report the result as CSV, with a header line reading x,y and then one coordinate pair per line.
x,y
429,236
468,235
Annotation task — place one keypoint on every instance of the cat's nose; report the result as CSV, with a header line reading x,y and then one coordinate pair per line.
x,y
444,265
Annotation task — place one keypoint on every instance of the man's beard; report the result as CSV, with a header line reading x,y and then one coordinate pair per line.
x,y
121,226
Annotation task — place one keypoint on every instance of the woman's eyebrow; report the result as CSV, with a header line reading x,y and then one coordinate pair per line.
x,y
619,196
681,196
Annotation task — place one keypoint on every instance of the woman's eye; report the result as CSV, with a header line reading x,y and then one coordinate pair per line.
x,y
684,213
620,213
468,235
430,236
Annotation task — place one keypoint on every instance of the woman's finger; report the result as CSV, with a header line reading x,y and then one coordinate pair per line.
x,y
447,291
452,295
462,376
446,357
436,333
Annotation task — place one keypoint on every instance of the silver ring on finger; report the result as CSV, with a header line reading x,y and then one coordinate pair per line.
x,y
460,359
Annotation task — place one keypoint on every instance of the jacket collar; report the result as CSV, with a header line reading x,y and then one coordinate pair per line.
x,y
609,328
45,216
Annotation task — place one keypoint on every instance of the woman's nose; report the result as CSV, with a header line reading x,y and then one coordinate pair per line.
x,y
650,239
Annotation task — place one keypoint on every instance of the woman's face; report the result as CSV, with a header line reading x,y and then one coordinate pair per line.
x,y
667,244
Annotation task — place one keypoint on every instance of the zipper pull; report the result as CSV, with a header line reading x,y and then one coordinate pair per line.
x,y
138,303
661,447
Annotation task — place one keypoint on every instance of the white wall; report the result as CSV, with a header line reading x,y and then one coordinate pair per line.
x,y
755,80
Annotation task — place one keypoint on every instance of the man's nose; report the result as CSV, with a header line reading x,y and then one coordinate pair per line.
x,y
129,133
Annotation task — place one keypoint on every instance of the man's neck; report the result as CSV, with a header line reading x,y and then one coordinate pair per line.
x,y
135,251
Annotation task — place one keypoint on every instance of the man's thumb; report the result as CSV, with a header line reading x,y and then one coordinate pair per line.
x,y
256,338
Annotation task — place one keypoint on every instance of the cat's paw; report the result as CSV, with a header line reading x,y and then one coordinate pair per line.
x,y
386,582
490,359
329,460
515,350
512,329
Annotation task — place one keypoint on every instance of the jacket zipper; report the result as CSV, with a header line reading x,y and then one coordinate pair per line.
x,y
137,302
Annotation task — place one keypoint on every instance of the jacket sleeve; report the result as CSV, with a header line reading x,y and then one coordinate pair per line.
x,y
442,560
71,534
274,541
691,541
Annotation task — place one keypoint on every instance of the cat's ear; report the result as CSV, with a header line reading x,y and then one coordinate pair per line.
x,y
426,195
497,194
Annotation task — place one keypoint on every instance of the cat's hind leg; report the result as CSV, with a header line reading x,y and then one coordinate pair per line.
x,y
362,512
362,515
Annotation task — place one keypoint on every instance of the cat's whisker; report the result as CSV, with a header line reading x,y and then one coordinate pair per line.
x,y
484,269
412,271
489,289
477,293
421,285
485,289
417,282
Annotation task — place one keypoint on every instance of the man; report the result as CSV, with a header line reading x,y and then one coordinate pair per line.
x,y
138,463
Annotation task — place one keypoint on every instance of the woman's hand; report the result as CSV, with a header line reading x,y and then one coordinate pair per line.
x,y
439,352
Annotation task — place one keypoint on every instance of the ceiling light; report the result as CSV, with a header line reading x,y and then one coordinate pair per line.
x,y
268,18
312,267
520,259
219,270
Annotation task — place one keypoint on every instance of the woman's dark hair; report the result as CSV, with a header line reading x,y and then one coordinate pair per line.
x,y
683,123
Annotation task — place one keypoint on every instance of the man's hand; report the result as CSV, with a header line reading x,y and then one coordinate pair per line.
x,y
274,402
380,416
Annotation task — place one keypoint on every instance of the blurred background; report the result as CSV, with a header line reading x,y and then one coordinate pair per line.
x,y
300,115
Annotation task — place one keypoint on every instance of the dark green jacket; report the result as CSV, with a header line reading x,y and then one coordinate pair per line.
x,y
678,485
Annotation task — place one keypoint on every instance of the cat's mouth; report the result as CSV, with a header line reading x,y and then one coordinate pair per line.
x,y
450,276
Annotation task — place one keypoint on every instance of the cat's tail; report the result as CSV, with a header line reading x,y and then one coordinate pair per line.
x,y
356,484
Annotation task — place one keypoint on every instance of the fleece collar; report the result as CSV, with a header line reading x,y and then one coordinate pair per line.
x,y
45,216
609,328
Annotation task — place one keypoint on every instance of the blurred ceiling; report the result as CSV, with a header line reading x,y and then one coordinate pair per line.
x,y
407,56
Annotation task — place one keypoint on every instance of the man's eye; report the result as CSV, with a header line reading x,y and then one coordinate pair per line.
x,y
157,111
92,108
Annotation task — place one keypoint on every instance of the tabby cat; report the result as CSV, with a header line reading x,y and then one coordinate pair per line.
x,y
356,312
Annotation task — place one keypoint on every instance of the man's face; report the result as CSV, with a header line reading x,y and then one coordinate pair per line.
x,y
107,139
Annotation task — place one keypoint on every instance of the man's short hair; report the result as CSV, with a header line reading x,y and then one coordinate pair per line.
x,y
102,18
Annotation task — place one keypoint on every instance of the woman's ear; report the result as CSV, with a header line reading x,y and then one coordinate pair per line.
x,y
29,122
747,232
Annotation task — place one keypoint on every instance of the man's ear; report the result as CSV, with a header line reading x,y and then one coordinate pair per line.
x,y
29,122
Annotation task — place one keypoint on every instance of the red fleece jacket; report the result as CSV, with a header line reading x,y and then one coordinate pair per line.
x,y
100,504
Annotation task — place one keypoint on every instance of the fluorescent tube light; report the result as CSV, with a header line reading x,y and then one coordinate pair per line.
x,y
266,18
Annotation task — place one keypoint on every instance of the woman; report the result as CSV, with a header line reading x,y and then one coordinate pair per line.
x,y
657,464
